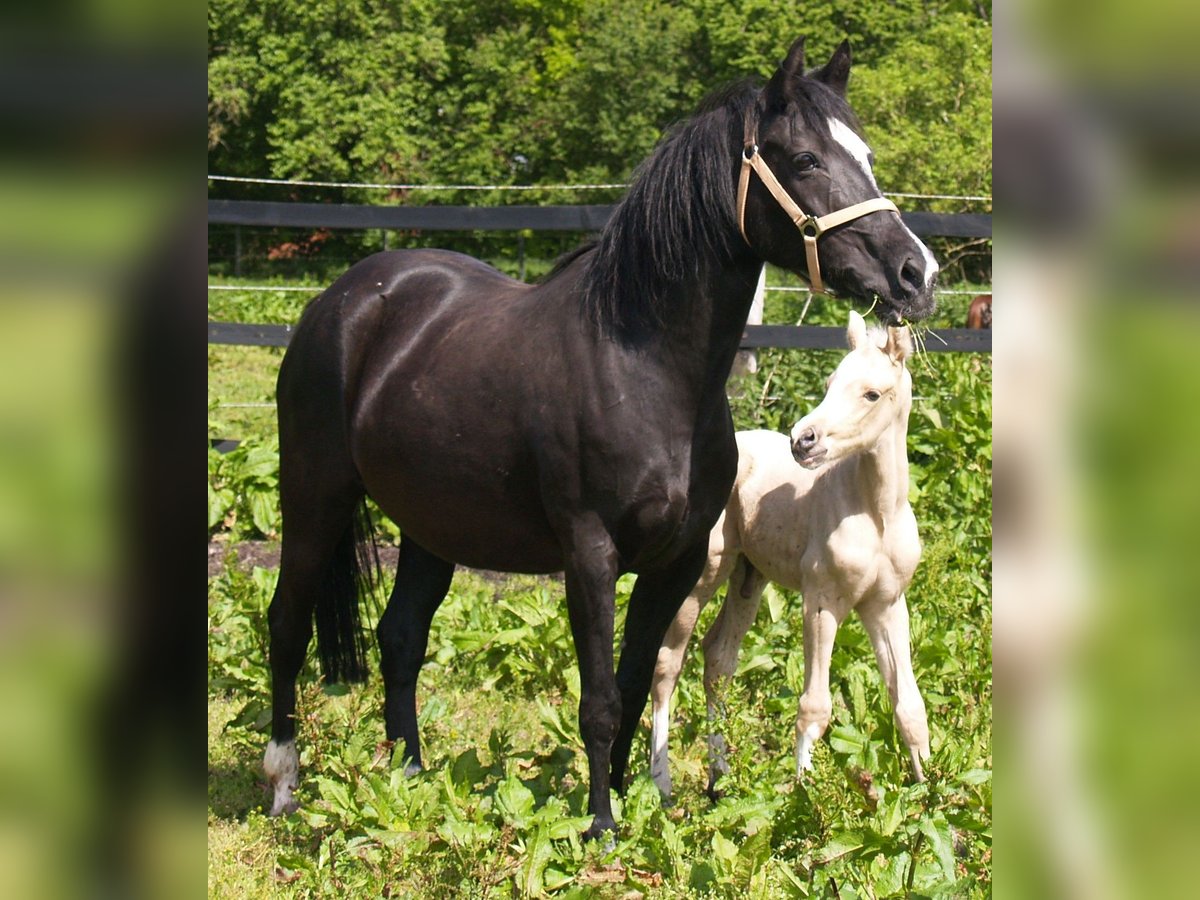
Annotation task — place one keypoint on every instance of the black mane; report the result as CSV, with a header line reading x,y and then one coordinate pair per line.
x,y
679,209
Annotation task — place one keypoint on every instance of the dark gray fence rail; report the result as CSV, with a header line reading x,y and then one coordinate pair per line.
x,y
499,218
788,337
551,218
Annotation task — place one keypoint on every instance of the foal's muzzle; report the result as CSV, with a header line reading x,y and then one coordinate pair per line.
x,y
806,446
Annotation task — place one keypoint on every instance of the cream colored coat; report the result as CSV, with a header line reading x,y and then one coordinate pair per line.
x,y
825,513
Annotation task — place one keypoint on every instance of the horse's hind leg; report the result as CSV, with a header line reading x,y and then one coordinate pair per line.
x,y
887,626
722,644
422,581
317,527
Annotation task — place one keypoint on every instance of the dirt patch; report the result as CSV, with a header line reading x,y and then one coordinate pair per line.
x,y
248,554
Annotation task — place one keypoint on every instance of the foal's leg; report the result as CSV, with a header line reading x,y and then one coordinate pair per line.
x,y
591,579
314,524
821,620
721,646
887,626
662,686
671,654
655,601
722,556
422,581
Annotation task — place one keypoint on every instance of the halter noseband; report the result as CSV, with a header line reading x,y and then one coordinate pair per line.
x,y
811,227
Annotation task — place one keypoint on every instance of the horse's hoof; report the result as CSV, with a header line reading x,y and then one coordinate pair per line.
x,y
284,807
412,769
602,831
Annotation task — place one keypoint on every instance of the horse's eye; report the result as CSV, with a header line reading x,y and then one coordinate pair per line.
x,y
871,395
804,162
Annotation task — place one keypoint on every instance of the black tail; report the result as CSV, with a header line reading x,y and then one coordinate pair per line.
x,y
354,572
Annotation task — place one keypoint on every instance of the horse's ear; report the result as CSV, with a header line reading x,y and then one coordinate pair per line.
x,y
856,331
776,91
836,72
899,343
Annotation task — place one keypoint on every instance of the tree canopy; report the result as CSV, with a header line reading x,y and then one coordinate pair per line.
x,y
549,92
553,91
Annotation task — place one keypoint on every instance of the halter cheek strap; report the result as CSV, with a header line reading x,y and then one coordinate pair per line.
x,y
811,227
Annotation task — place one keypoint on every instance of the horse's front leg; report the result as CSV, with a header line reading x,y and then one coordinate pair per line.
x,y
655,600
821,620
591,578
887,626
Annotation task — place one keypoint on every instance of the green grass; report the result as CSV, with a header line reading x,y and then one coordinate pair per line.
x,y
499,809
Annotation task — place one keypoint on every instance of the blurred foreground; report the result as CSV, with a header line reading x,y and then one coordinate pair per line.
x,y
1097,626
1097,382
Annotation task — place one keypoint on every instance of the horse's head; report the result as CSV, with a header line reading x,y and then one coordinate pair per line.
x,y
803,135
867,394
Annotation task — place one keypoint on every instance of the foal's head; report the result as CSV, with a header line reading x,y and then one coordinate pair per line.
x,y
809,137
868,393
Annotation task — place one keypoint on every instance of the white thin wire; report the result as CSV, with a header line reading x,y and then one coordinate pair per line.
x,y
416,187
804,289
514,187
318,289
261,287
938,196
771,397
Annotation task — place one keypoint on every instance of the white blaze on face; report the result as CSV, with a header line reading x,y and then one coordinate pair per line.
x,y
861,153
855,146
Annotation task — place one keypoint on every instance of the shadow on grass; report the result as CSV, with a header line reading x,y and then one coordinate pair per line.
x,y
237,787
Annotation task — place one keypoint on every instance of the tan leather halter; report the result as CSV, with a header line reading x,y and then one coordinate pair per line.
x,y
811,227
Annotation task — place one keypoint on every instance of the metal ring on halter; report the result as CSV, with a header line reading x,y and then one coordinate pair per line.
x,y
811,222
749,152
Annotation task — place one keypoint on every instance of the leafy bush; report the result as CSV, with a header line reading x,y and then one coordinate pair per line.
x,y
243,490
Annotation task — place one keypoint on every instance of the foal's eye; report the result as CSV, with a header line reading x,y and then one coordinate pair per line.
x,y
804,162
871,395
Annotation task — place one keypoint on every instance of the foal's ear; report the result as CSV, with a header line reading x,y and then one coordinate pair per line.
x,y
836,73
856,331
776,91
899,343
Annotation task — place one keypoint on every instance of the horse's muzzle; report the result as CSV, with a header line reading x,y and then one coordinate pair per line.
x,y
806,447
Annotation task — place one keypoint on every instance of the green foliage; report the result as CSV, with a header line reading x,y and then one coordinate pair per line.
x,y
528,92
500,808
243,490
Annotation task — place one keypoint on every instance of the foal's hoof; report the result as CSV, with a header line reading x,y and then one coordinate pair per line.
x,y
284,806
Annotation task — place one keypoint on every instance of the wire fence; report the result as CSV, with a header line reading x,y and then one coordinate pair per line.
x,y
413,186
318,289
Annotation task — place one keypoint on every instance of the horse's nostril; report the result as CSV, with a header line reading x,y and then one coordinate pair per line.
x,y
912,274
807,439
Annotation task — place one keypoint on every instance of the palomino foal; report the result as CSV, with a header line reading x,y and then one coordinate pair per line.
x,y
837,527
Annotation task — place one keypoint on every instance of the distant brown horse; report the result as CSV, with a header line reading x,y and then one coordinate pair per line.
x,y
980,313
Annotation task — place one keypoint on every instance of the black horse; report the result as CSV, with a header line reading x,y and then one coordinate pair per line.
x,y
576,425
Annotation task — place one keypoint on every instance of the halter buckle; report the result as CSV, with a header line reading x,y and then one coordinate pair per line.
x,y
813,223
